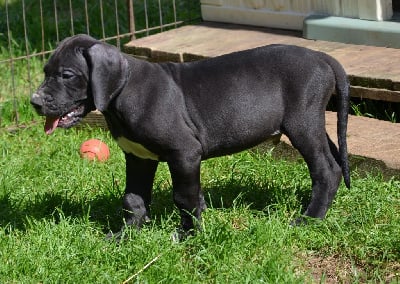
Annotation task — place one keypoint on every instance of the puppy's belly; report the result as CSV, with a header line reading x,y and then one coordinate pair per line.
x,y
135,148
221,149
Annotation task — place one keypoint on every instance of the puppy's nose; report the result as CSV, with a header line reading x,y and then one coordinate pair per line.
x,y
36,101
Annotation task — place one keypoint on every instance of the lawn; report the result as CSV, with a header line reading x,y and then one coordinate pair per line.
x,y
56,208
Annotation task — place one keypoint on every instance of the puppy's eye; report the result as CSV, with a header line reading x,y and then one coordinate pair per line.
x,y
67,75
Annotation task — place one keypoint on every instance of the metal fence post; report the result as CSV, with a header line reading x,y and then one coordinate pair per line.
x,y
131,17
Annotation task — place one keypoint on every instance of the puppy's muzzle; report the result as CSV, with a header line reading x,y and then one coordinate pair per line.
x,y
37,102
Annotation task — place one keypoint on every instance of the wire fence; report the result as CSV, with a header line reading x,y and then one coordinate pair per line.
x,y
31,29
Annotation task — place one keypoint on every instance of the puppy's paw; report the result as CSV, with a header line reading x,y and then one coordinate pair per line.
x,y
117,237
298,222
180,235
304,221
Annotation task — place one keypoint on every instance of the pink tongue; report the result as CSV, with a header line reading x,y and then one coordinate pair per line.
x,y
51,124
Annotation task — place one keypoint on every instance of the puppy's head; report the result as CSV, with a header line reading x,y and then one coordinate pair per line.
x,y
82,74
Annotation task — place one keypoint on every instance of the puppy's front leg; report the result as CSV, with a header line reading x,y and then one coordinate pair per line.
x,y
139,182
185,173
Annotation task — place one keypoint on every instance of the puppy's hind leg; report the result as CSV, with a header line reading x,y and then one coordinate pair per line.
x,y
310,138
334,149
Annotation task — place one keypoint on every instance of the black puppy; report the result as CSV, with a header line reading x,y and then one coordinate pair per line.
x,y
184,113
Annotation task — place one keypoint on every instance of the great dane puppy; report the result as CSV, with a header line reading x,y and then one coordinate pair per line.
x,y
183,113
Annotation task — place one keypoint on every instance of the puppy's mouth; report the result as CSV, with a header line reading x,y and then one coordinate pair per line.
x,y
66,121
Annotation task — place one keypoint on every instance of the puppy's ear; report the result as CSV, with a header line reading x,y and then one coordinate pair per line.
x,y
108,72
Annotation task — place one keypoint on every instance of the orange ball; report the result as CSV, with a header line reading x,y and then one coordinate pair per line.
x,y
94,149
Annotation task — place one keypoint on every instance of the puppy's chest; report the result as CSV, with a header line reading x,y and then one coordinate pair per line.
x,y
115,124
136,149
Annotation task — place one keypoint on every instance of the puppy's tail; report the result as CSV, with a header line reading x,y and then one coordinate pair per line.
x,y
343,96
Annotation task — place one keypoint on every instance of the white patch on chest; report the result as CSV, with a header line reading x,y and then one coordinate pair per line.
x,y
136,149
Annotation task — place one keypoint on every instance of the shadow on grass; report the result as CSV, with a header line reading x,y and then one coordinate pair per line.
x,y
256,197
235,192
102,210
105,210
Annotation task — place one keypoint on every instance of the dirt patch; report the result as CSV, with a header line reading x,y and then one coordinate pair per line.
x,y
332,269
338,269
394,273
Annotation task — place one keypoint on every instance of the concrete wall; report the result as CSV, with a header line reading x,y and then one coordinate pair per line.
x,y
290,14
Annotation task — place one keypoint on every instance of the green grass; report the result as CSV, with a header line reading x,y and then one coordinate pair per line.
x,y
383,110
375,109
56,208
